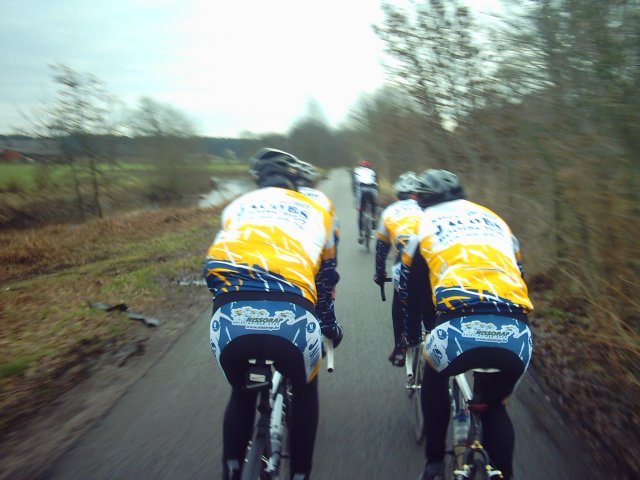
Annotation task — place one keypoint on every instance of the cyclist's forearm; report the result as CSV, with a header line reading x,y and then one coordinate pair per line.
x,y
211,280
403,295
382,251
326,281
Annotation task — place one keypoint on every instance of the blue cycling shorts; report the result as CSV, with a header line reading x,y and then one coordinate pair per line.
x,y
451,339
280,318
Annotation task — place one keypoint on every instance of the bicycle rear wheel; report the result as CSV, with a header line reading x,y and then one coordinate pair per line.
x,y
418,418
254,465
455,453
283,467
479,470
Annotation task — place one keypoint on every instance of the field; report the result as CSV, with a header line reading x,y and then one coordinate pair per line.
x,y
36,194
22,176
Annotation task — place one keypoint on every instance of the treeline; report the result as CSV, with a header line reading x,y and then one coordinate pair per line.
x,y
128,148
96,138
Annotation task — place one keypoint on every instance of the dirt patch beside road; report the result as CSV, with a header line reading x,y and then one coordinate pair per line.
x,y
28,451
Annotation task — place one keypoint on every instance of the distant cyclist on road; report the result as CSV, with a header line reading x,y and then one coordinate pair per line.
x,y
365,189
271,269
480,306
398,224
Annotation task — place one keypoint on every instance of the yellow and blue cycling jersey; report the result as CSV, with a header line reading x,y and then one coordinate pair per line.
x,y
398,223
274,240
472,258
325,202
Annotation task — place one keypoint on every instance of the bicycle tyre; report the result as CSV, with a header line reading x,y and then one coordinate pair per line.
x,y
254,465
453,461
479,470
284,466
418,417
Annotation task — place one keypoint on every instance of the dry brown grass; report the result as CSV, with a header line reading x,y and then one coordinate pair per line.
x,y
589,357
49,335
571,201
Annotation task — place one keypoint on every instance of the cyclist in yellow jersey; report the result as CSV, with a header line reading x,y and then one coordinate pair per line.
x,y
271,270
479,305
398,224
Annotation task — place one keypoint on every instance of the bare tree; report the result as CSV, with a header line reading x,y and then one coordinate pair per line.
x,y
75,121
167,138
312,139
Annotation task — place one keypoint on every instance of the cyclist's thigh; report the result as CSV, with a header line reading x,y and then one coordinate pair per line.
x,y
289,360
395,275
364,199
419,304
374,200
234,360
490,387
495,387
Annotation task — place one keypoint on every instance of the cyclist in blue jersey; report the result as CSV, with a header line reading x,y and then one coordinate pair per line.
x,y
271,270
479,304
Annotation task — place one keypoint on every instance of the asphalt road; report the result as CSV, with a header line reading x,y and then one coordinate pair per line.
x,y
168,425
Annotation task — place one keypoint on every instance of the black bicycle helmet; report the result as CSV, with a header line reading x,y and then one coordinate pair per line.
x,y
438,186
406,185
275,168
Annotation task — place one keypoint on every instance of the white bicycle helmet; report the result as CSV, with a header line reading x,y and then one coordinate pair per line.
x,y
272,167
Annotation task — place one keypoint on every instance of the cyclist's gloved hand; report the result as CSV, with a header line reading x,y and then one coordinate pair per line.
x,y
407,342
379,278
332,331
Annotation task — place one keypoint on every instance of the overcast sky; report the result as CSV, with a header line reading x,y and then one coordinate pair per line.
x,y
231,65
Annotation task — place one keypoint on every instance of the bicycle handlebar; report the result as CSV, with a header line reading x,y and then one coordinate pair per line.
x,y
382,294
328,348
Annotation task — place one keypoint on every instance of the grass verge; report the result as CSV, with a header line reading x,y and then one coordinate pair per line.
x,y
588,358
49,333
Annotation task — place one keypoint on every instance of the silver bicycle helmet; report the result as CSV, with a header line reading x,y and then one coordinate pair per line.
x,y
438,186
406,183
275,168
308,173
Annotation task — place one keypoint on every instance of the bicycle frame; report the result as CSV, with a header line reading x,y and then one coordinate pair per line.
x,y
474,458
265,452
413,365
